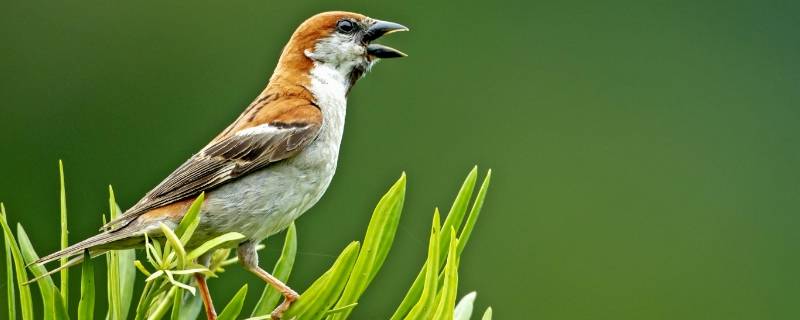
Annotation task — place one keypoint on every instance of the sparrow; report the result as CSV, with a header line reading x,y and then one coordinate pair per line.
x,y
274,162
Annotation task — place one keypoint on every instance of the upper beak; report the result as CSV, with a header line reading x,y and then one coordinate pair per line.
x,y
378,29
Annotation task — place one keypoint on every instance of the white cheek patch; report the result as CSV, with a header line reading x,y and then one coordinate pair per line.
x,y
338,50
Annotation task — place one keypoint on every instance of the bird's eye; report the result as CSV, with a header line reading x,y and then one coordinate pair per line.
x,y
346,26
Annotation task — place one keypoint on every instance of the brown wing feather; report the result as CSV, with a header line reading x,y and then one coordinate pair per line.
x,y
241,151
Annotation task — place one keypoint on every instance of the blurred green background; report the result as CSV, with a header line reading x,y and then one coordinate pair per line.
x,y
645,153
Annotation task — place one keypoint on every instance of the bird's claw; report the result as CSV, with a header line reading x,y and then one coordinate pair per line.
x,y
288,298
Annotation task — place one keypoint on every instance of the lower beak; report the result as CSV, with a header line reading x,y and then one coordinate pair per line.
x,y
378,29
384,52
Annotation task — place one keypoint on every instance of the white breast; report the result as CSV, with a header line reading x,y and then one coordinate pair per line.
x,y
267,201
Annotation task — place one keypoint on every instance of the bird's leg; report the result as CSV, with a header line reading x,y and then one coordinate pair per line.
x,y
248,257
211,314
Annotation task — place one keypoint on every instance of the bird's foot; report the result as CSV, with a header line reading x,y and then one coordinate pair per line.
x,y
288,298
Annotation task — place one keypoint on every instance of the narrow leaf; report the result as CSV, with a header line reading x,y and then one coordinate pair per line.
x,y
112,268
190,271
122,270
427,298
213,243
179,284
154,275
191,307
86,304
64,234
377,243
138,264
177,301
175,244
234,307
283,268
46,286
474,213
190,220
58,310
152,252
464,307
447,304
162,303
11,295
457,211
144,301
488,314
25,300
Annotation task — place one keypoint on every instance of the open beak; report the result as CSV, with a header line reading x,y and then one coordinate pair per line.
x,y
378,29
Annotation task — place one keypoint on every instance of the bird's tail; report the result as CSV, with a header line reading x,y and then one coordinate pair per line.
x,y
74,261
96,245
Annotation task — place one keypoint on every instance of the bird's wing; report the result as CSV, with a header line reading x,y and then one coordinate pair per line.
x,y
231,155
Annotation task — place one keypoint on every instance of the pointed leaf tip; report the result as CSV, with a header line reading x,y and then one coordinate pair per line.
x,y
488,314
234,307
464,307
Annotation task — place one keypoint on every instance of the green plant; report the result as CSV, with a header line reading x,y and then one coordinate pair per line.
x,y
168,266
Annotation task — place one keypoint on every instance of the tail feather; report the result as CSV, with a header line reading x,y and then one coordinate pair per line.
x,y
72,262
89,244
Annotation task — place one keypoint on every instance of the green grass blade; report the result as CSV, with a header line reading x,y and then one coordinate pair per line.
x,y
64,234
457,211
177,301
114,309
190,220
377,243
127,276
488,314
474,213
323,293
11,295
213,243
464,307
144,300
283,268
58,310
192,305
234,307
47,287
426,304
25,300
86,304
447,304
112,269
162,303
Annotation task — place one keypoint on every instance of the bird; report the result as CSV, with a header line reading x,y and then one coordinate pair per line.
x,y
274,162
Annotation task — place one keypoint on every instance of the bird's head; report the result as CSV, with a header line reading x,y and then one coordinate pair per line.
x,y
341,41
